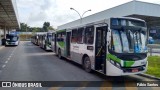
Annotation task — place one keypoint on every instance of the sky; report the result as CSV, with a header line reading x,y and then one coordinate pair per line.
x,y
58,12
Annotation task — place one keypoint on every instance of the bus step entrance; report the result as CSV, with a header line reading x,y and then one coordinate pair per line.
x,y
99,63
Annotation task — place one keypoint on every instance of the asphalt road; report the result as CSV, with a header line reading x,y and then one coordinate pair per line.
x,y
28,62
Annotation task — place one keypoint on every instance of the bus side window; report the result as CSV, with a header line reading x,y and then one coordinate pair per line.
x,y
80,35
89,35
74,36
59,37
53,36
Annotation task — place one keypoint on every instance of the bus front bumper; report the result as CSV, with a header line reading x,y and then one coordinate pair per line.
x,y
11,43
112,70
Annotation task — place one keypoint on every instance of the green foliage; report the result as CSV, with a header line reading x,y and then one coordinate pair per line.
x,y
154,66
23,27
36,29
46,27
51,28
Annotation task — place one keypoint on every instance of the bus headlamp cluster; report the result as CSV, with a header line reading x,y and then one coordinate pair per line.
x,y
115,63
6,43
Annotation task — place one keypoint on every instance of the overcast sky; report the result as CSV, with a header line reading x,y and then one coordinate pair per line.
x,y
57,12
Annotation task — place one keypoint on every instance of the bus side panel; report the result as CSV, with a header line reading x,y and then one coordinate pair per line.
x,y
90,53
75,54
60,46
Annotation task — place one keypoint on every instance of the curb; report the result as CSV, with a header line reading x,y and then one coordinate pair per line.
x,y
149,76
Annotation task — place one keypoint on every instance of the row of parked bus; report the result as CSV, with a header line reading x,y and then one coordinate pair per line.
x,y
43,40
114,46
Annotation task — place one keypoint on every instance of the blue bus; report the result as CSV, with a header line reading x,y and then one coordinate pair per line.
x,y
12,39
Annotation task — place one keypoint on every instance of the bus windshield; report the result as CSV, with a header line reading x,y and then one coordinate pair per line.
x,y
127,41
11,38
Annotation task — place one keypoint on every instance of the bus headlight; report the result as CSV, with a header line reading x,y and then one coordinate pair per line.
x,y
112,62
6,43
118,65
115,63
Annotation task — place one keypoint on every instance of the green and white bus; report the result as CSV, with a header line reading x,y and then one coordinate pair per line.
x,y
35,39
114,46
45,40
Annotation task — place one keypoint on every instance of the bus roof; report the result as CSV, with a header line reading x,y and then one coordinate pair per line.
x,y
69,26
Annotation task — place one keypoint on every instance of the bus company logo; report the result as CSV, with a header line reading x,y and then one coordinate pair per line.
x,y
6,84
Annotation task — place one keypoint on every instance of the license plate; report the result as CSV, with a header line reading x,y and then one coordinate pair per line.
x,y
135,70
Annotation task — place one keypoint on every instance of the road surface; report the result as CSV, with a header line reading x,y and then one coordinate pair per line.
x,y
28,62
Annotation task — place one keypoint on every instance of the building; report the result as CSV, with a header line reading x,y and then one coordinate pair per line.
x,y
8,17
137,9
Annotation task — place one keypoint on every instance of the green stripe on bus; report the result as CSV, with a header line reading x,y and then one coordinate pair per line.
x,y
61,44
114,58
128,63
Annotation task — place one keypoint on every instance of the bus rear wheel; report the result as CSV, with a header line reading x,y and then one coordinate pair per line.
x,y
87,64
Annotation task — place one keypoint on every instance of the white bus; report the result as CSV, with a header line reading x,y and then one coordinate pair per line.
x,y
114,47
45,41
12,39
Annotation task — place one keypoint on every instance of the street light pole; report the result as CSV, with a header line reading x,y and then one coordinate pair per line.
x,y
85,12
81,16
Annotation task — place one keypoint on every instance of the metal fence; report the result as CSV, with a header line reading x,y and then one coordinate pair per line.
x,y
154,49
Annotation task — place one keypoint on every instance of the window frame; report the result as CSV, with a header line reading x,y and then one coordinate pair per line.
x,y
74,36
86,36
80,34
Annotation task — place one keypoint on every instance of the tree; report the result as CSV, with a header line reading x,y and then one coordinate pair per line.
x,y
46,25
23,27
51,28
36,29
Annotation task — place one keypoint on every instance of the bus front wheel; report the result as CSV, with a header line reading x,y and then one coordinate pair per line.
x,y
87,64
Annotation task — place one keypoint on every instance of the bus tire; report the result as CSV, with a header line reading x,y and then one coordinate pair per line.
x,y
87,64
59,54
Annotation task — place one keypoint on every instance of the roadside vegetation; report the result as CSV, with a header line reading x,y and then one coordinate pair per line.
x,y
154,66
24,36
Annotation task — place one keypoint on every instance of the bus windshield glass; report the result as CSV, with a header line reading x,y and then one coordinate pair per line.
x,y
11,38
125,22
128,41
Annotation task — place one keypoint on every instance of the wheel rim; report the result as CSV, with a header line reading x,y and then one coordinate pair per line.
x,y
87,64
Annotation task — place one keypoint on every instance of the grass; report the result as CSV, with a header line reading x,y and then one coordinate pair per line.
x,y
154,66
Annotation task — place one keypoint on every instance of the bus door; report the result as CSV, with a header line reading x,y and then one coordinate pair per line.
x,y
54,40
100,49
68,41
